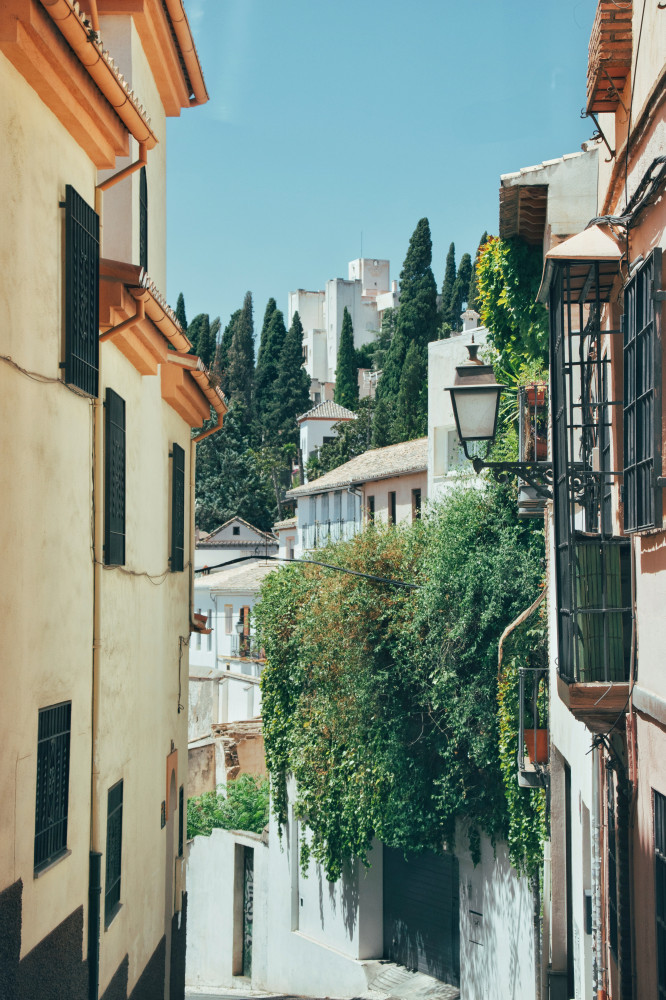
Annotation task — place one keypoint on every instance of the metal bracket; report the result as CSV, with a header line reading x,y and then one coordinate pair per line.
x,y
538,475
598,134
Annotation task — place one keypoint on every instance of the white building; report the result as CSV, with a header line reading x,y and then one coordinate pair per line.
x,y
446,458
318,426
367,292
232,540
286,532
387,484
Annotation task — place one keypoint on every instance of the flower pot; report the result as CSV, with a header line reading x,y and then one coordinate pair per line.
x,y
541,448
536,394
541,755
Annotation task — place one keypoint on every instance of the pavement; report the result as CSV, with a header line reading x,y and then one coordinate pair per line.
x,y
391,982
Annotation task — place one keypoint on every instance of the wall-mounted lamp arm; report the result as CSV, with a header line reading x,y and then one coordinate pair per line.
x,y
538,475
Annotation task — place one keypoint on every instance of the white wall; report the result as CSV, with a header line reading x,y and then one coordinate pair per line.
x,y
403,487
445,457
496,935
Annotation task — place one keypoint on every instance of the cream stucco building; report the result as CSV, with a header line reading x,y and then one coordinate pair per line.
x,y
99,399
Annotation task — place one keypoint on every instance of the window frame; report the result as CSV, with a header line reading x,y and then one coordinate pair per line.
x,y
113,861
177,556
115,479
82,251
642,410
54,727
392,507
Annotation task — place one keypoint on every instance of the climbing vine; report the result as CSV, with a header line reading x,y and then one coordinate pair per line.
x,y
382,702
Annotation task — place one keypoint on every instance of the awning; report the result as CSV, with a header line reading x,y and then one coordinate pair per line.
x,y
593,258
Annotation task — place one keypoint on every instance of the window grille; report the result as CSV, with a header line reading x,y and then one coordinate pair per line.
x,y
592,566
181,819
612,865
416,504
143,219
81,293
114,848
392,516
53,733
114,487
660,889
178,510
642,398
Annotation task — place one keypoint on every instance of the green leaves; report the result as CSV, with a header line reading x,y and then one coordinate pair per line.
x,y
346,372
382,703
244,807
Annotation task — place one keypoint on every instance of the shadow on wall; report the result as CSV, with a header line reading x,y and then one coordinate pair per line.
x,y
348,893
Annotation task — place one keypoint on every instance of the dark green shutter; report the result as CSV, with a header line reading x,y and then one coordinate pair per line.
x,y
143,219
114,481
81,293
178,510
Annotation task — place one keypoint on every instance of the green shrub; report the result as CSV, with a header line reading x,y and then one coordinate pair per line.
x,y
244,807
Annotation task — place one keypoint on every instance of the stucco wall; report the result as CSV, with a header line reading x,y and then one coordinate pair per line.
x,y
402,486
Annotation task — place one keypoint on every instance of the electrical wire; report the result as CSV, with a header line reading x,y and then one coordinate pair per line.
x,y
314,562
43,379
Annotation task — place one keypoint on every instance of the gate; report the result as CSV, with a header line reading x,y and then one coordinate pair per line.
x,y
421,913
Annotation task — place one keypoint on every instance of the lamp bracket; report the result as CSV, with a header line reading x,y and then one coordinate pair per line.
x,y
538,475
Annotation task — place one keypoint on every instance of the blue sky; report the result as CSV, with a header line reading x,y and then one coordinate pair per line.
x,y
329,119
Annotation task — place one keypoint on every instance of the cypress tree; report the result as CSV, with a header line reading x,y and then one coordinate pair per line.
x,y
411,419
221,363
180,312
266,375
271,307
417,314
461,289
446,311
199,334
382,423
240,370
346,374
473,295
292,397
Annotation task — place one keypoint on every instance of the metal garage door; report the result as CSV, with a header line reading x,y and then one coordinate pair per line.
x,y
421,929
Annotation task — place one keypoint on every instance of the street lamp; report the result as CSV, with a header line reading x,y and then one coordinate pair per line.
x,y
475,396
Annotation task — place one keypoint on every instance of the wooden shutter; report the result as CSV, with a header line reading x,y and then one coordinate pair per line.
x,y
642,398
114,850
114,486
81,293
178,510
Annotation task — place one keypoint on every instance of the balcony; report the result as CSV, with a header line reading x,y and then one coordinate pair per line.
x,y
321,533
609,57
245,647
596,631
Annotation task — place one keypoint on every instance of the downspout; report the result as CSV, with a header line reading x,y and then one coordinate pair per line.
x,y
597,937
126,324
193,466
94,15
94,874
120,175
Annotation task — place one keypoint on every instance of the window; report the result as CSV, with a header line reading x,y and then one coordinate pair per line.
x,y
81,293
235,530
228,619
592,566
290,548
416,504
660,889
181,820
371,508
114,484
642,398
612,865
114,848
392,508
53,730
178,510
324,508
143,219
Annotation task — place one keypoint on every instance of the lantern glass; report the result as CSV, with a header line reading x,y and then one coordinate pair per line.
x,y
240,625
475,408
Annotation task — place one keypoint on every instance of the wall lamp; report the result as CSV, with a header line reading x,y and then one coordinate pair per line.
x,y
475,395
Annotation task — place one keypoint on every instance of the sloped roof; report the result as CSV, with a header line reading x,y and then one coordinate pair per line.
x,y
327,410
240,578
210,538
378,463
288,522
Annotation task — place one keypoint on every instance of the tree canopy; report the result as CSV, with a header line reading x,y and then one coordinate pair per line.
x,y
346,372
240,376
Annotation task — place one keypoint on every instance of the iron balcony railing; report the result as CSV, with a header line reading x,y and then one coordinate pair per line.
x,y
246,647
322,533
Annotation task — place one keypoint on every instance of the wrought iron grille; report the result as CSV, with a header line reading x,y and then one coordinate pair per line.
x,y
143,219
642,398
114,849
53,733
532,719
114,481
81,293
660,889
612,864
592,566
178,510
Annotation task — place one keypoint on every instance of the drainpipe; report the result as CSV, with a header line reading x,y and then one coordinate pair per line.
x,y
126,324
94,875
597,943
94,15
120,175
193,466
